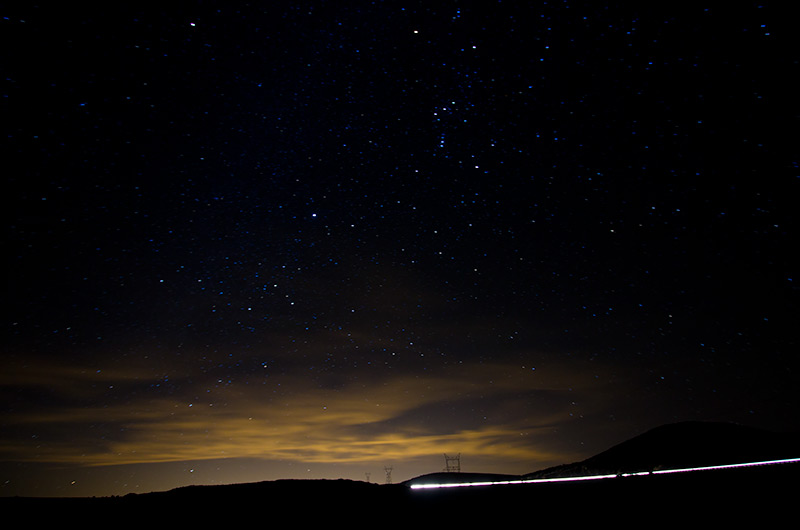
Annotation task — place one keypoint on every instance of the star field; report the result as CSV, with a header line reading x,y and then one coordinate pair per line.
x,y
279,240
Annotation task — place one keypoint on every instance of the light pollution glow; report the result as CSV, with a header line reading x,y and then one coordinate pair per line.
x,y
88,423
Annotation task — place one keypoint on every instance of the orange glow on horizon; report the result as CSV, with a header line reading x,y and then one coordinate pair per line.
x,y
285,419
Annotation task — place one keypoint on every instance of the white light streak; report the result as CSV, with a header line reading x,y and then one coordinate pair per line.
x,y
600,477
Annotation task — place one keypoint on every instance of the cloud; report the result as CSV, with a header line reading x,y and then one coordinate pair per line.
x,y
488,410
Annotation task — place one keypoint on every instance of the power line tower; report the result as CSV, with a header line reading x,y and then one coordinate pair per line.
x,y
452,464
388,474
367,474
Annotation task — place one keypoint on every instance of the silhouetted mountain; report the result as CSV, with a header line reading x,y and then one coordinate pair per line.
x,y
760,495
451,478
682,445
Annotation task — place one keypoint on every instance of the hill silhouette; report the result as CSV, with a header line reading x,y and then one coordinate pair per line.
x,y
684,445
761,494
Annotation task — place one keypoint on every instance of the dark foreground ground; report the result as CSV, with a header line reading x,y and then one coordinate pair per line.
x,y
763,496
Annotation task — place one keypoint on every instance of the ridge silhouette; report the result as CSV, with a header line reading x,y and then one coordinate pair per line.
x,y
761,494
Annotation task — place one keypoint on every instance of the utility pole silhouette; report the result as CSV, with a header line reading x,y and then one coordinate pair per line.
x,y
367,474
388,474
452,464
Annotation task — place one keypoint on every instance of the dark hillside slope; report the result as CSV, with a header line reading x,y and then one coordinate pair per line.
x,y
686,444
760,495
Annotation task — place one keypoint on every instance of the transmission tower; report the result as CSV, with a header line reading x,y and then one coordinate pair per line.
x,y
452,464
388,474
367,474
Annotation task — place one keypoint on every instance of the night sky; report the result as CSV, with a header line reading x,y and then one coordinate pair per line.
x,y
264,240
